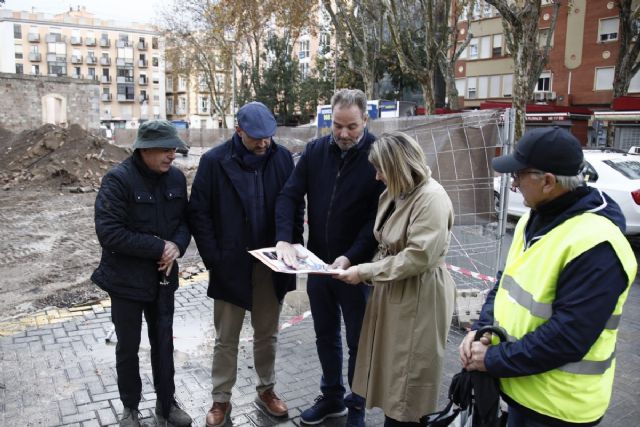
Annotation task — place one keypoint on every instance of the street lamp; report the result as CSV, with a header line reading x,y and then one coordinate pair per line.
x,y
230,37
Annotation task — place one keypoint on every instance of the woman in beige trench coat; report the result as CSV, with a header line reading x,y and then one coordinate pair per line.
x,y
404,332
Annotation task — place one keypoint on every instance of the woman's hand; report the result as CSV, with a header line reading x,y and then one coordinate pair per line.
x,y
350,276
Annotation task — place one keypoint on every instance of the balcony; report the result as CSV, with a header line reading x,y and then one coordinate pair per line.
x,y
35,56
143,63
77,76
105,43
54,57
142,81
142,46
91,60
143,98
90,41
93,77
105,97
76,59
76,40
105,79
34,37
123,98
124,79
55,38
122,43
105,60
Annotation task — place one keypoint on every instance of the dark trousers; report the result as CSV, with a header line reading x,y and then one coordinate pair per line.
x,y
328,299
390,422
127,319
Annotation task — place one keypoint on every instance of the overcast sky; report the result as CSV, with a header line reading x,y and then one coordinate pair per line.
x,y
142,11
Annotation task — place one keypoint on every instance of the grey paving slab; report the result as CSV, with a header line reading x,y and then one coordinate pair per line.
x,y
64,374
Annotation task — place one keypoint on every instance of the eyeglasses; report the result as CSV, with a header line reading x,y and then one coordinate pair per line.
x,y
518,174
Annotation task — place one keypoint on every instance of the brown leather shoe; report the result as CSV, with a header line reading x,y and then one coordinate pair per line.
x,y
219,413
271,403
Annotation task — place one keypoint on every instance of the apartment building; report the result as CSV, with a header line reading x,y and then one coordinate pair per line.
x,y
577,80
124,60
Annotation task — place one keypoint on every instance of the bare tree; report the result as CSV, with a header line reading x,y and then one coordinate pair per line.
x,y
628,62
449,45
359,28
197,49
520,22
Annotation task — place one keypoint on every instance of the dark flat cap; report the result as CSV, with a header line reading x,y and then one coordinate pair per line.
x,y
257,120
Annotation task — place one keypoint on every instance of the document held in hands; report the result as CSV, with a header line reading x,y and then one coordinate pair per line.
x,y
310,264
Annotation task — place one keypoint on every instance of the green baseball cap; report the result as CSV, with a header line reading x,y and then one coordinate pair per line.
x,y
158,134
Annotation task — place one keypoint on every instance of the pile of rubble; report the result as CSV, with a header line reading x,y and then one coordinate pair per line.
x,y
54,156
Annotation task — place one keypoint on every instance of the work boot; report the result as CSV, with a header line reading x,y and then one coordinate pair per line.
x,y
271,403
129,418
178,417
219,414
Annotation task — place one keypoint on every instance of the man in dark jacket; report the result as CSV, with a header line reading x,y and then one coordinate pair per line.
x,y
141,223
561,293
342,195
231,211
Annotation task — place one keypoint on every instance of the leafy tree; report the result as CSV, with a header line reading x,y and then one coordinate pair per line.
x,y
281,77
317,88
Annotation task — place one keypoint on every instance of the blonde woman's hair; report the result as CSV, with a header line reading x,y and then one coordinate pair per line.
x,y
401,160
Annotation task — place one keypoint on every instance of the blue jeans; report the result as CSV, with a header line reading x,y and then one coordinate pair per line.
x,y
328,299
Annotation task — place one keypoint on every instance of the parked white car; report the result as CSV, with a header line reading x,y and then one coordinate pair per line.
x,y
614,173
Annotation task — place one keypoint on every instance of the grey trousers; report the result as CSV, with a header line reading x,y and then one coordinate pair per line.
x,y
228,319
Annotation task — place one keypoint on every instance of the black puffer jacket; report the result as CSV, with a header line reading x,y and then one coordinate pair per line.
x,y
136,210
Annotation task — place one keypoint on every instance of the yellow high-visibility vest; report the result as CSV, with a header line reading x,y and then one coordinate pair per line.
x,y
577,392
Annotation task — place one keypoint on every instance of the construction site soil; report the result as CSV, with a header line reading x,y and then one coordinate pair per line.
x,y
49,177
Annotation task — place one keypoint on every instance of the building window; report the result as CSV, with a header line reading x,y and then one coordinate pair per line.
x,y
483,87
604,78
18,51
35,69
473,49
485,47
169,105
608,29
471,88
203,105
154,42
182,83
19,69
543,34
155,61
182,105
17,31
155,77
324,45
494,87
487,11
304,70
634,85
497,45
461,86
507,85
304,49
544,82
169,83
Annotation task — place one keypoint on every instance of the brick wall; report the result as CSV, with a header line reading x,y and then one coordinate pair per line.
x,y
24,99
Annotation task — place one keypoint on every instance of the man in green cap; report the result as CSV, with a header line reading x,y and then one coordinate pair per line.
x,y
141,223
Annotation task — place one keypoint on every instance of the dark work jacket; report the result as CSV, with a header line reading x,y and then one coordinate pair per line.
x,y
342,197
219,213
587,293
137,209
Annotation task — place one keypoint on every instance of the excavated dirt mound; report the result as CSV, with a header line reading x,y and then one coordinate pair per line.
x,y
56,157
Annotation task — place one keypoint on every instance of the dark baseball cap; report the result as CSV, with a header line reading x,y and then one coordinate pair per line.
x,y
549,149
158,134
257,120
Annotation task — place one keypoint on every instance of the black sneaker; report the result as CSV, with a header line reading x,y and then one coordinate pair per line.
x,y
355,417
324,407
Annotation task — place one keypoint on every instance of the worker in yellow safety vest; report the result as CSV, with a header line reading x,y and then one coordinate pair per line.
x,y
561,293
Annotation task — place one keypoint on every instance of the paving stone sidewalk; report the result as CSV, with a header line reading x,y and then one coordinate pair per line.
x,y
63,373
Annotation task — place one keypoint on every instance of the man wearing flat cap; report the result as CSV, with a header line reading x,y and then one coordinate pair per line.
x,y
231,211
561,293
141,223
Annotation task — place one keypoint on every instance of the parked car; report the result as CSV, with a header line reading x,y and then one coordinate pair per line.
x,y
615,173
183,150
